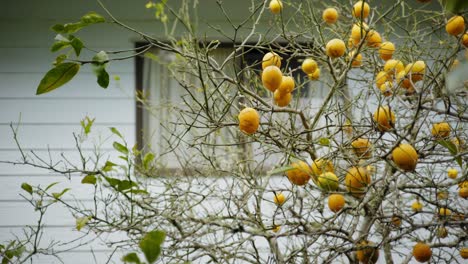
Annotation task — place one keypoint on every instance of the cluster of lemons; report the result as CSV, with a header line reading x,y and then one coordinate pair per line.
x,y
393,76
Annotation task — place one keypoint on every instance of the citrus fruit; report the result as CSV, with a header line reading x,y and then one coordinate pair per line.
x,y
394,66
384,118
309,66
444,212
320,166
463,192
416,206
405,157
386,50
422,252
442,232
368,254
440,130
328,181
249,120
276,6
455,26
356,180
465,40
287,85
300,174
452,173
335,48
358,32
362,148
280,99
386,89
314,76
271,58
357,61
336,202
381,78
361,9
464,253
396,221
374,39
279,199
272,77
330,15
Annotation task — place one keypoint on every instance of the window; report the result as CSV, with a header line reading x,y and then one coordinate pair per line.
x,y
163,98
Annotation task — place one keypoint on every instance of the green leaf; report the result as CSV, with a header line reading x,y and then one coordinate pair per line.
x,y
324,141
116,132
92,18
151,245
58,45
280,170
108,166
76,44
81,222
57,77
27,187
120,148
58,28
125,185
103,78
455,6
89,179
131,258
68,28
452,148
86,124
60,58
58,195
112,181
149,157
139,191
51,185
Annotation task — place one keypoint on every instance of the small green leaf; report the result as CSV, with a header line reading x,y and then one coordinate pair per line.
x,y
59,28
280,170
108,166
58,195
138,191
57,77
81,222
27,187
452,148
92,18
89,179
112,181
151,245
324,141
60,58
51,185
86,124
58,45
103,78
125,185
116,132
149,157
120,148
76,44
131,258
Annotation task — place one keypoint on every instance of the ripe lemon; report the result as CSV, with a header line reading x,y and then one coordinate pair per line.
x,y
272,78
422,252
455,26
276,6
330,15
249,120
381,78
417,70
442,195
405,157
416,206
396,221
328,181
314,76
465,39
374,39
464,253
362,148
309,66
280,99
279,199
358,32
403,81
276,228
287,85
452,173
444,212
386,89
271,58
300,174
369,254
393,67
336,202
463,184
335,48
463,192
320,166
356,181
440,130
357,61
386,50
384,118
361,10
